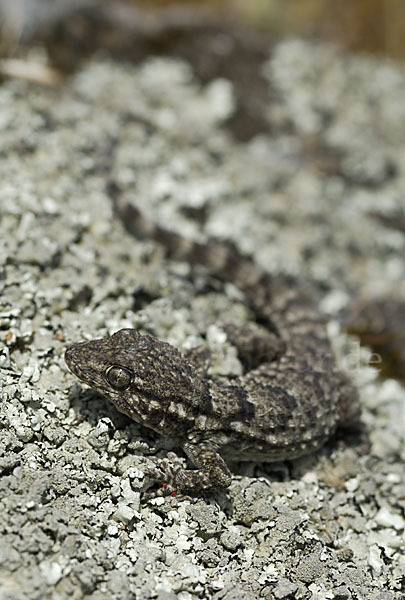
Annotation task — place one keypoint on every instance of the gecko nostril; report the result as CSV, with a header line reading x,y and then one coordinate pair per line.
x,y
68,355
71,358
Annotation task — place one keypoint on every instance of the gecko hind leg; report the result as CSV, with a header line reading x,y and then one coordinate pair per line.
x,y
255,344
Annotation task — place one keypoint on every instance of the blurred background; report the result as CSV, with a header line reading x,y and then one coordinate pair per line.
x,y
371,26
376,26
219,38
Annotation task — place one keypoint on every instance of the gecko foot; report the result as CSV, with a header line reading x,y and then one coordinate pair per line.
x,y
164,472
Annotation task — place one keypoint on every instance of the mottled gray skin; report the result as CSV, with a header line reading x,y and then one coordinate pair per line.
x,y
289,402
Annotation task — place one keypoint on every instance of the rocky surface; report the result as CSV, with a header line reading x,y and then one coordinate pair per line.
x,y
301,200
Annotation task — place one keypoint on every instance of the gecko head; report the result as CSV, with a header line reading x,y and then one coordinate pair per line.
x,y
140,374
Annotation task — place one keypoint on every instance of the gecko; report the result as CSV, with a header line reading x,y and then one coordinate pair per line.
x,y
289,401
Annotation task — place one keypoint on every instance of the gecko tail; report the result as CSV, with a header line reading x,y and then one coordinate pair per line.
x,y
221,258
281,299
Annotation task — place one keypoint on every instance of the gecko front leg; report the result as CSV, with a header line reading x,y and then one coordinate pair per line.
x,y
211,474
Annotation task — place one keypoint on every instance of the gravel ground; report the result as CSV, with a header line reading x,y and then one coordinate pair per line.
x,y
73,522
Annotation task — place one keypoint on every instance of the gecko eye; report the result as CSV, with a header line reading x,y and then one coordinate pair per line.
x,y
118,377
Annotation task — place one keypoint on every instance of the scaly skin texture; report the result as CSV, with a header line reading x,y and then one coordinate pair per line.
x,y
288,403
